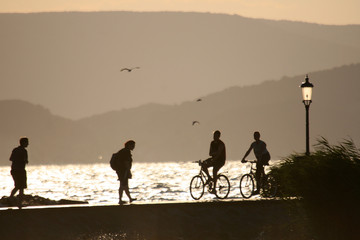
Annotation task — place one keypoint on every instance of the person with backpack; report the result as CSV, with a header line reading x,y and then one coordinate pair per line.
x,y
121,162
262,156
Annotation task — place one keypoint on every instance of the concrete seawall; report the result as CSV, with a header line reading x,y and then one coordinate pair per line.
x,y
265,219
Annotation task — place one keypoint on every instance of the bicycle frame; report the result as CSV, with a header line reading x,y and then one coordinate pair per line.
x,y
203,175
201,180
252,171
252,168
264,184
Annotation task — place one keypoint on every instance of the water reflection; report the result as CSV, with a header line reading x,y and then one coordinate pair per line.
x,y
97,183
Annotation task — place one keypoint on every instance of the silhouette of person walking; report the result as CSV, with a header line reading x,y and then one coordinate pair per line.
x,y
218,157
123,169
262,156
19,158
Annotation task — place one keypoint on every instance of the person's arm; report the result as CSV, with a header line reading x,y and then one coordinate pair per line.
x,y
211,151
247,153
128,160
129,165
12,155
26,157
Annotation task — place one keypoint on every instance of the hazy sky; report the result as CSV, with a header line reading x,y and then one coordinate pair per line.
x,y
317,11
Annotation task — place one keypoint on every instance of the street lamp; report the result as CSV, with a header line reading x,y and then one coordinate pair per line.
x,y
306,88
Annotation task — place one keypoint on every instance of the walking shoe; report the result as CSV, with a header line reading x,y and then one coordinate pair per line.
x,y
133,199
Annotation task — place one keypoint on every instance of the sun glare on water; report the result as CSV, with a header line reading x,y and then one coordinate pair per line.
x,y
97,183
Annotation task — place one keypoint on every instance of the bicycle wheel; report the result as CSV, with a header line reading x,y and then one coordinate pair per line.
x,y
222,187
246,185
196,187
270,187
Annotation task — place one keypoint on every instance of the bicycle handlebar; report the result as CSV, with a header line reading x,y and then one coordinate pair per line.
x,y
198,162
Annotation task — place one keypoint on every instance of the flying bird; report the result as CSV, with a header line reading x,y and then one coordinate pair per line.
x,y
194,122
199,100
129,69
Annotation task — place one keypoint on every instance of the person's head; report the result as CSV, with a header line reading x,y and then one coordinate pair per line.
x,y
24,142
130,144
256,135
217,135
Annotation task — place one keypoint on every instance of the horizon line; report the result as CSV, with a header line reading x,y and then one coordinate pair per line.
x,y
179,11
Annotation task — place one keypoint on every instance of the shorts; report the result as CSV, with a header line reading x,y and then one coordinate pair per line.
x,y
211,163
123,178
20,179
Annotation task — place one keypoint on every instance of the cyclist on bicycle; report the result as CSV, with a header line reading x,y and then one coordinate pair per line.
x,y
218,157
262,155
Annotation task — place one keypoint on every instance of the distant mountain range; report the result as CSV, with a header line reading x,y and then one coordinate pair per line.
x,y
166,133
70,62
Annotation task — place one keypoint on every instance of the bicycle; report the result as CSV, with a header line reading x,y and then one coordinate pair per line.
x,y
248,182
200,181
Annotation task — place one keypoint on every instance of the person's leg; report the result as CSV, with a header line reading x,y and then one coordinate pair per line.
x,y
121,187
126,187
206,171
20,184
127,191
13,192
16,183
257,178
205,165
216,169
21,192
21,197
121,190
260,172
262,175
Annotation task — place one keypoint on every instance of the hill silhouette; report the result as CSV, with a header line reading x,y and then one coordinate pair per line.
x,y
182,56
166,133
53,139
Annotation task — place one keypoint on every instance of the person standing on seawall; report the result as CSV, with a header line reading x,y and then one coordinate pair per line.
x,y
262,156
19,158
123,169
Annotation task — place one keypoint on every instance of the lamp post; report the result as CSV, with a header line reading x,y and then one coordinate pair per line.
x,y
306,88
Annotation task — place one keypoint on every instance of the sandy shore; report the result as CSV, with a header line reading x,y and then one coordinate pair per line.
x,y
265,219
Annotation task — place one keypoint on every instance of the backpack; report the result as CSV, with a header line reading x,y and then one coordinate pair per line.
x,y
115,160
265,159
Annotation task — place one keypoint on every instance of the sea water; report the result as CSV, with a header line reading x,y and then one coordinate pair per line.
x,y
97,183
